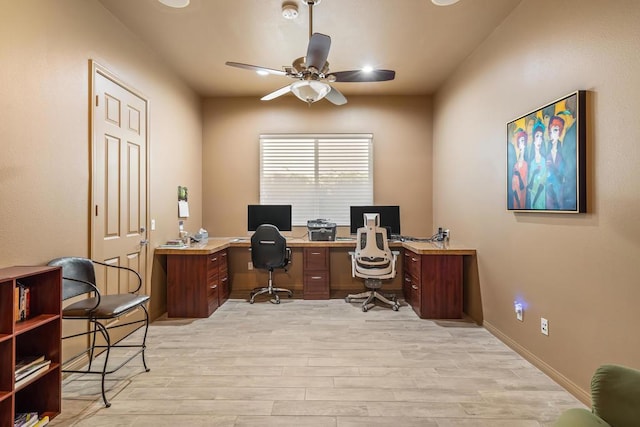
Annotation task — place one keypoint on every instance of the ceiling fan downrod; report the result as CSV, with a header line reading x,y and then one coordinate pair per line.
x,y
311,3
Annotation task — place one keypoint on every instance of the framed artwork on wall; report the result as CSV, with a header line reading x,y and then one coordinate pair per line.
x,y
546,158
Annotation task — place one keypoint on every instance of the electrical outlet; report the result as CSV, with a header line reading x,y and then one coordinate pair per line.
x,y
544,326
519,311
153,224
250,266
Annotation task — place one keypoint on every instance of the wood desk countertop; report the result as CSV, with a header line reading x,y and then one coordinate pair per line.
x,y
219,243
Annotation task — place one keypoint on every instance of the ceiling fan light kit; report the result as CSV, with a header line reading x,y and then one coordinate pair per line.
x,y
444,2
312,70
176,4
310,91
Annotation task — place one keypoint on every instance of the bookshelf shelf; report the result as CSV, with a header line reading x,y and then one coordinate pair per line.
x,y
52,368
39,334
34,322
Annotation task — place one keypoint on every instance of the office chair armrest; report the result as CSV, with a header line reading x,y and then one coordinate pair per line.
x,y
287,256
95,289
352,254
135,291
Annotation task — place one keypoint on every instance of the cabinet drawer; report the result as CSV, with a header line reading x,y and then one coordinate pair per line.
x,y
222,260
316,258
415,292
212,303
412,264
223,289
316,285
213,262
406,287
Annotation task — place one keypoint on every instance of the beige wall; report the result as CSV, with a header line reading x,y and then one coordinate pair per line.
x,y
401,128
45,48
579,271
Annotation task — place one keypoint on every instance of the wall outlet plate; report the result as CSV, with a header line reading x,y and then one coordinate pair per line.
x,y
250,266
544,326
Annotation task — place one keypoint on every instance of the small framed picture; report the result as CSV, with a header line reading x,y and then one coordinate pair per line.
x,y
183,202
546,158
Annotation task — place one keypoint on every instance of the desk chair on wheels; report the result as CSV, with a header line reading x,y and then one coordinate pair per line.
x,y
374,262
79,279
269,251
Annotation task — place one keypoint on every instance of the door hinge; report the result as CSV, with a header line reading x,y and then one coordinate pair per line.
x,y
97,100
96,210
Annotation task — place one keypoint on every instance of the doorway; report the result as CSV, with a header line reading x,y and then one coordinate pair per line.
x,y
119,187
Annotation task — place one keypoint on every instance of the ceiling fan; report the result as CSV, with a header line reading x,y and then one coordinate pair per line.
x,y
312,71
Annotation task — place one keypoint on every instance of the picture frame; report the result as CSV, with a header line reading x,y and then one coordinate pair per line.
x,y
183,202
546,158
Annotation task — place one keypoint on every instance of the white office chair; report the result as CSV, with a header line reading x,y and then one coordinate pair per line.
x,y
374,262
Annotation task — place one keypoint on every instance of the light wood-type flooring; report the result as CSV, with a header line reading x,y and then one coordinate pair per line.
x,y
318,363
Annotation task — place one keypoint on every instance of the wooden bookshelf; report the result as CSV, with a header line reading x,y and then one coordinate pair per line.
x,y
39,334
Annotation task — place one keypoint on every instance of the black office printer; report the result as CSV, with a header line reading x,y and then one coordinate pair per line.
x,y
321,230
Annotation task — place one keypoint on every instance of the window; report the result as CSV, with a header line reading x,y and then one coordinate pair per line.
x,y
321,176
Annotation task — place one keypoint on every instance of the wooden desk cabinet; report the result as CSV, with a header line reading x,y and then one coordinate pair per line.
x,y
432,285
196,284
316,273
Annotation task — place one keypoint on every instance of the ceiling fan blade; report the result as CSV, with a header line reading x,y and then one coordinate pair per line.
x,y
276,93
318,51
362,76
336,97
255,68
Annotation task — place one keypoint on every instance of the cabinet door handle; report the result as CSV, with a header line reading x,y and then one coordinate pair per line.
x,y
224,254
224,279
214,259
214,286
316,277
315,253
414,259
406,279
414,287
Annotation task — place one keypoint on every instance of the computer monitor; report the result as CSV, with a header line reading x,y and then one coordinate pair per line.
x,y
278,215
389,218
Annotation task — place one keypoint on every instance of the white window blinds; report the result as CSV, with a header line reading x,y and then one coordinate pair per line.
x,y
319,175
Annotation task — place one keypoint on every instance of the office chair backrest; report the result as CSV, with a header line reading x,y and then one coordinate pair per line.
x,y
268,248
373,257
77,268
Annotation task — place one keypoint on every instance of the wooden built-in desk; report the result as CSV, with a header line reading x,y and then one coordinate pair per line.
x,y
201,277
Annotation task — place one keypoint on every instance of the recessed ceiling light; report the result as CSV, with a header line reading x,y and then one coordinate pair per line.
x,y
177,4
367,68
444,2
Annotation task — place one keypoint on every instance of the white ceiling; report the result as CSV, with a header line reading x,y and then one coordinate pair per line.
x,y
422,42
